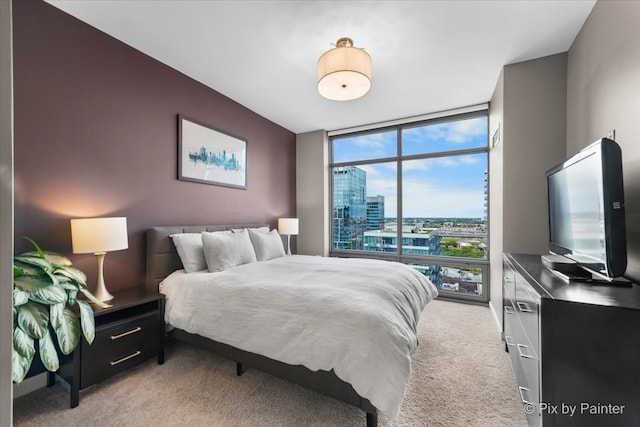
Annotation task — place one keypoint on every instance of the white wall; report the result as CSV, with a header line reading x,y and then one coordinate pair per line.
x,y
530,101
496,178
312,192
6,212
603,93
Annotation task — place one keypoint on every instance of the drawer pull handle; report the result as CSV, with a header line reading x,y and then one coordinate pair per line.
x,y
529,407
524,307
525,355
522,390
508,340
509,310
124,334
124,359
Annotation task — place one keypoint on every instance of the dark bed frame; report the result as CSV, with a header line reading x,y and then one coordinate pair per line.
x,y
163,259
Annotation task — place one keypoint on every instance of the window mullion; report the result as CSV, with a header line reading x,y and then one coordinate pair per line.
x,y
399,214
421,158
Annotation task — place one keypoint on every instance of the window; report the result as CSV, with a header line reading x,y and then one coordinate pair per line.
x,y
417,194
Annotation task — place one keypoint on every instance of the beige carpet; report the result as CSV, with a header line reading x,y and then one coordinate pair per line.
x,y
461,377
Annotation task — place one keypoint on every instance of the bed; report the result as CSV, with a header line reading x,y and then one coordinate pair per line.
x,y
261,298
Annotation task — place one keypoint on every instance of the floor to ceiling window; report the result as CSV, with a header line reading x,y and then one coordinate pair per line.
x,y
417,193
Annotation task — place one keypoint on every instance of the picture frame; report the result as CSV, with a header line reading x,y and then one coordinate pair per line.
x,y
210,156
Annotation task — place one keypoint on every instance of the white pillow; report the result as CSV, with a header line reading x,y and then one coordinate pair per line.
x,y
258,229
224,249
267,245
189,247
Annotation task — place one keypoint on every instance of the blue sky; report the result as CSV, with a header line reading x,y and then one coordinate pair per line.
x,y
449,186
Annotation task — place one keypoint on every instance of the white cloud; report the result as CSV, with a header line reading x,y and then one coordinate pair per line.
x,y
372,145
425,199
422,199
369,169
454,132
464,130
416,165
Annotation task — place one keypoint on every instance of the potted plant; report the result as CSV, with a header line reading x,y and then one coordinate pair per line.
x,y
45,288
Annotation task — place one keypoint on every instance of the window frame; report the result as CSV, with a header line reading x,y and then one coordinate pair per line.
x,y
398,256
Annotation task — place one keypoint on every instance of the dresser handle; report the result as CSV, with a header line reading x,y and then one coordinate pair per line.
x,y
508,340
509,310
529,407
526,356
131,356
524,307
124,334
522,390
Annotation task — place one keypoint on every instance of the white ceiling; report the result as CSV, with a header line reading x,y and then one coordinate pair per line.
x,y
428,56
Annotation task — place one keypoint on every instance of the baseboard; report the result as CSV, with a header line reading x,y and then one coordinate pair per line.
x,y
30,384
497,320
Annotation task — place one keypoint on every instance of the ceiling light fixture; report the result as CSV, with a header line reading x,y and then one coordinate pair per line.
x,y
344,73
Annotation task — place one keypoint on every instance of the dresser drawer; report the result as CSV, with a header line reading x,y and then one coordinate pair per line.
x,y
526,305
525,365
508,279
119,346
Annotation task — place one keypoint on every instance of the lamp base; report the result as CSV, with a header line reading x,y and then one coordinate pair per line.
x,y
101,291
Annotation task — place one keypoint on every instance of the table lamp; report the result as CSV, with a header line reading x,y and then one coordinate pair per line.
x,y
99,236
288,227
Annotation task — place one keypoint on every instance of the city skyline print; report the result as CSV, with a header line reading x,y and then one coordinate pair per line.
x,y
210,156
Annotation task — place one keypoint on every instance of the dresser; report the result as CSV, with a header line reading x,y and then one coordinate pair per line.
x,y
127,333
574,347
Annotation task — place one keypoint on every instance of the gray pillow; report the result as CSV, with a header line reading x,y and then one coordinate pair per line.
x,y
224,249
267,245
189,247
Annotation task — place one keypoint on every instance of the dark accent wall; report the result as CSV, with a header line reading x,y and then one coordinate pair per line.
x,y
96,135
603,94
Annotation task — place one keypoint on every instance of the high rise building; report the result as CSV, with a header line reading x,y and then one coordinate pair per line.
x,y
349,207
375,212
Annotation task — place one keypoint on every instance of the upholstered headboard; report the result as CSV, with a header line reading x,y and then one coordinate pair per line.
x,y
162,257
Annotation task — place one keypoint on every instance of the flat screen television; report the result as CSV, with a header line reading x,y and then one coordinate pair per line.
x,y
586,210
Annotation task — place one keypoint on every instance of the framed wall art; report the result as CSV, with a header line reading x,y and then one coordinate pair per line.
x,y
210,156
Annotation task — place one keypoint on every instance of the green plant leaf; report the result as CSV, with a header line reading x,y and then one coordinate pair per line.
x,y
48,353
87,321
53,258
38,262
26,269
55,314
73,296
35,245
31,283
17,272
33,318
50,295
54,277
23,343
20,297
57,259
69,286
72,273
19,366
69,332
93,299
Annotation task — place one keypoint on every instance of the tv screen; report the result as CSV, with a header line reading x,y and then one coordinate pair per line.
x,y
586,209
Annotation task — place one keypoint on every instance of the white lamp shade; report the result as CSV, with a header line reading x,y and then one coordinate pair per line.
x,y
288,226
344,73
94,235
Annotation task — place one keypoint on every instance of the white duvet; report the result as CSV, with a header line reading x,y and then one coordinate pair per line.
x,y
355,316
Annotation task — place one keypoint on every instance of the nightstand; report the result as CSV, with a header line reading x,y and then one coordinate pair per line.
x,y
127,333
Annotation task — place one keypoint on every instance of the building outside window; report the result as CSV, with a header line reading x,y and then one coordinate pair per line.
x,y
375,212
417,193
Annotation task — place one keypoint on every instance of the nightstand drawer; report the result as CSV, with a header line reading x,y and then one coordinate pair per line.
x,y
119,346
